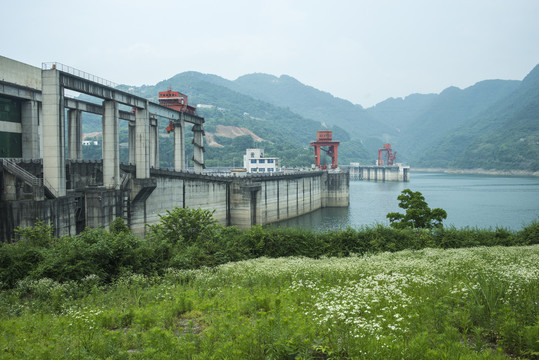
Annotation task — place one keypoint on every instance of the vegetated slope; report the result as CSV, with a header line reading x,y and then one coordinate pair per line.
x,y
507,135
400,113
416,125
287,135
426,119
365,131
502,137
490,124
309,102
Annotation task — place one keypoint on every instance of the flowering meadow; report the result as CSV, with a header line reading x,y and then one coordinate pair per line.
x,y
468,303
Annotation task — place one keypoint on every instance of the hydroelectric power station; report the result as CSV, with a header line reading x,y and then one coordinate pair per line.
x,y
43,175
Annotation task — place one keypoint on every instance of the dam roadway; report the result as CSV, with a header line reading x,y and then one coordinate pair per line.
x,y
43,176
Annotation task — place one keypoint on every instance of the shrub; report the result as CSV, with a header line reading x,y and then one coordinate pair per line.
x,y
529,235
418,214
185,225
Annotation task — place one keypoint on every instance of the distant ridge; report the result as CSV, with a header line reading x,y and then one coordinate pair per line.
x,y
490,125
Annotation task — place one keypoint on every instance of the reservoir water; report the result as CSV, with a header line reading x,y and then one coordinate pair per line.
x,y
470,201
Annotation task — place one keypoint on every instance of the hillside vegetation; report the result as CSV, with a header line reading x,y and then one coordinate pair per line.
x,y
460,128
285,134
493,125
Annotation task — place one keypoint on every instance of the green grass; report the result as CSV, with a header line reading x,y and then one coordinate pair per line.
x,y
473,303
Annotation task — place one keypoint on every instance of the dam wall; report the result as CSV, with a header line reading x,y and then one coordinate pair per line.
x,y
236,201
379,173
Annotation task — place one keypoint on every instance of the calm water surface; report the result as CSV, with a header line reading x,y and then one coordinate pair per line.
x,y
470,200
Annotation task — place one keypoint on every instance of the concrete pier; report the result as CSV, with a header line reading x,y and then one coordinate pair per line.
x,y
142,148
74,133
198,142
53,132
111,145
379,173
179,145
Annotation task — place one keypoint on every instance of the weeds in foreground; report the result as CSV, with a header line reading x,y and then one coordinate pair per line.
x,y
476,303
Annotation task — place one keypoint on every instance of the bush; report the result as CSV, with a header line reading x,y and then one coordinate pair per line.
x,y
185,226
529,235
192,238
418,214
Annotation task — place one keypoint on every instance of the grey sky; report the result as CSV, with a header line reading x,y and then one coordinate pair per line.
x,y
362,51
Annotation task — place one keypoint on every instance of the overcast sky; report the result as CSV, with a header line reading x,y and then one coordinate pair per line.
x,y
362,51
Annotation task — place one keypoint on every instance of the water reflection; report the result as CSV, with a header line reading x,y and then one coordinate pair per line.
x,y
322,219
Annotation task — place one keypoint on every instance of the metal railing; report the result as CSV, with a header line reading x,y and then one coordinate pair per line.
x,y
77,72
18,171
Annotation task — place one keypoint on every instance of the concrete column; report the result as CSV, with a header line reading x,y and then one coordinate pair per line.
x,y
74,133
54,171
142,143
154,143
132,143
30,130
198,153
40,130
179,145
111,147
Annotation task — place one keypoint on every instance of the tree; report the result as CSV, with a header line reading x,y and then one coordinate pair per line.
x,y
418,214
186,226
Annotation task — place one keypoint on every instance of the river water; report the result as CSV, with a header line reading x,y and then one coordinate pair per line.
x,y
470,201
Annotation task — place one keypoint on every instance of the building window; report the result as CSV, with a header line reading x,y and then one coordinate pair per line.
x,y
270,169
253,161
262,161
262,169
252,154
270,161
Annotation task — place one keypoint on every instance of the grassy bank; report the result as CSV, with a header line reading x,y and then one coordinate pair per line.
x,y
193,289
476,303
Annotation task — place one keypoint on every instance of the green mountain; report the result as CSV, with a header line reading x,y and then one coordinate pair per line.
x,y
504,137
492,124
286,134
419,126
421,130
287,92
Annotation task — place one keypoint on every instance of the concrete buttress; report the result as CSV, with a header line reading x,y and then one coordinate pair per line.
x,y
111,148
54,171
74,133
142,143
179,145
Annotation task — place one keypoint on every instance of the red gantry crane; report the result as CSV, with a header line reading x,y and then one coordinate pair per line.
x,y
177,101
390,156
324,143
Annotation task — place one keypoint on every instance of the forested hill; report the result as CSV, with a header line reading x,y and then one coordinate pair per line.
x,y
422,121
491,125
506,136
285,133
460,128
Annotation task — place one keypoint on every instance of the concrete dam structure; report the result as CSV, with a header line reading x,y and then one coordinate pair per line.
x,y
379,172
43,176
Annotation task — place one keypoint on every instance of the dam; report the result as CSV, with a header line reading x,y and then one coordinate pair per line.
x,y
43,175
395,172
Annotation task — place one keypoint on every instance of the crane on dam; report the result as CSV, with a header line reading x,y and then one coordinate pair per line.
x,y
389,155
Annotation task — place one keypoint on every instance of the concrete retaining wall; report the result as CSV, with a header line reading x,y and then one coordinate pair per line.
x,y
241,202
62,213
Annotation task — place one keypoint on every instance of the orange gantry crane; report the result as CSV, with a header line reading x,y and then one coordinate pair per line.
x,y
325,143
389,155
177,101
